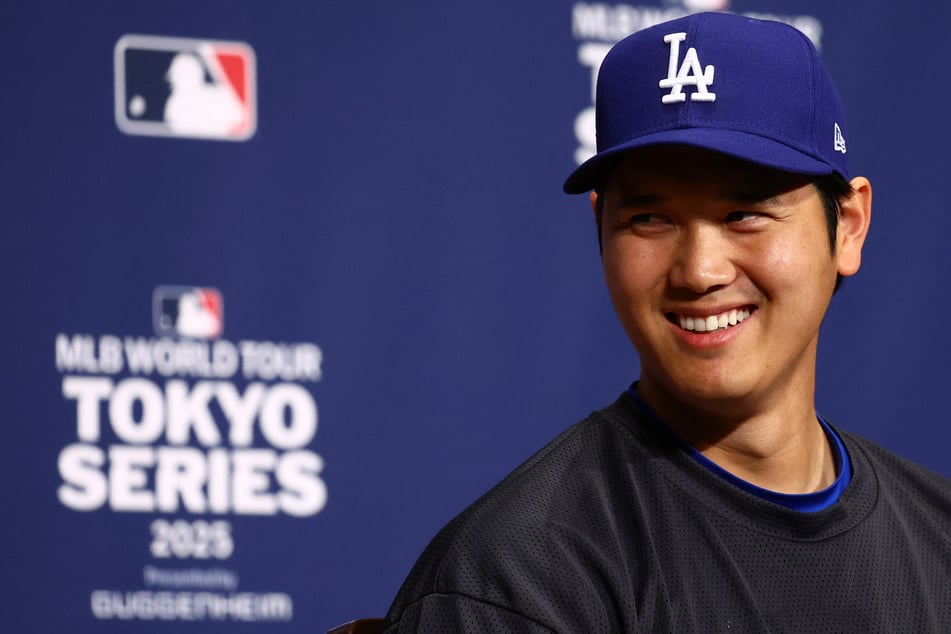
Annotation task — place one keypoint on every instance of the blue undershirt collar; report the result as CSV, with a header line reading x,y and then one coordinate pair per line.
x,y
803,502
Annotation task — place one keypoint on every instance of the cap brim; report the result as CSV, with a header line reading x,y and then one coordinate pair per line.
x,y
749,147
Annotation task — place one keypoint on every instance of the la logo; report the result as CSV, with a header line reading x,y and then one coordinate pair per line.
x,y
689,74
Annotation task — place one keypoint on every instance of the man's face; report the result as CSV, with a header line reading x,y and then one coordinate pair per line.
x,y
720,272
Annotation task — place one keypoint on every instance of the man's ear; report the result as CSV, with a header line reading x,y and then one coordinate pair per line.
x,y
855,214
594,202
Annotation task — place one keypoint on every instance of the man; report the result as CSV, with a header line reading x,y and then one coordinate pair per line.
x,y
710,496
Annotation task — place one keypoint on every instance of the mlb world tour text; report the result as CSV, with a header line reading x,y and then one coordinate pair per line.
x,y
190,439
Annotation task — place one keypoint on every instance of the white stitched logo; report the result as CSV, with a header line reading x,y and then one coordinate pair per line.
x,y
839,141
690,74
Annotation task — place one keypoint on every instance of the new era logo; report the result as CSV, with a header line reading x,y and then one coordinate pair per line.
x,y
187,311
838,142
181,87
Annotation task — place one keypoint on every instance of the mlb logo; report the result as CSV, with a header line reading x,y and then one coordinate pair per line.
x,y
180,87
187,311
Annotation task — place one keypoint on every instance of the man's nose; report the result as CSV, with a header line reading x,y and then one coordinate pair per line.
x,y
703,260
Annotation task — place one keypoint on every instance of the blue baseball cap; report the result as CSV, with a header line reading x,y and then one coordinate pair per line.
x,y
753,89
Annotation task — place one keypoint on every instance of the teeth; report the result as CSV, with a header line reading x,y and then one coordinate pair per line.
x,y
714,322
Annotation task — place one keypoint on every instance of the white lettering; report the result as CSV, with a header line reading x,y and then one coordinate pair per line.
x,y
240,411
219,485
138,355
84,487
139,412
302,423
250,482
585,135
163,356
122,407
610,23
76,354
269,361
189,410
172,479
145,605
110,354
598,21
191,358
589,21
128,478
838,142
689,74
134,474
304,492
181,473
224,359
591,56
88,392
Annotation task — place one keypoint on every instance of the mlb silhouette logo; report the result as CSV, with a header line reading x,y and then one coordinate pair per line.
x,y
187,311
180,87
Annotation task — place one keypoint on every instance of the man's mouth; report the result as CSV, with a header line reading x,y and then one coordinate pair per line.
x,y
712,323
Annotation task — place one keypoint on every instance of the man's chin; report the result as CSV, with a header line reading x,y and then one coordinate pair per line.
x,y
712,396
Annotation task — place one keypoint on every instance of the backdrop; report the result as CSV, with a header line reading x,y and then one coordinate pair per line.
x,y
289,284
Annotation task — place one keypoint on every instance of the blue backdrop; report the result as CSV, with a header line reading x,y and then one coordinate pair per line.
x,y
253,366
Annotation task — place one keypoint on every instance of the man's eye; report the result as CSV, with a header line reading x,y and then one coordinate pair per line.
x,y
647,219
739,216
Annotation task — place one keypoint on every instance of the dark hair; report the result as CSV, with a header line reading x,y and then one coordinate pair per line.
x,y
833,191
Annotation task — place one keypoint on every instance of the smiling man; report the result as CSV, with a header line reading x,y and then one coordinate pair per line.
x,y
710,496
721,271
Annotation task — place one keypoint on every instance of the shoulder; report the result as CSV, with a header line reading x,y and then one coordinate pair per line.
x,y
901,480
585,455
521,546
885,459
564,471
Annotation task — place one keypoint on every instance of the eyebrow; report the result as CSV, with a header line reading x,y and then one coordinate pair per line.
x,y
746,196
641,200
752,196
